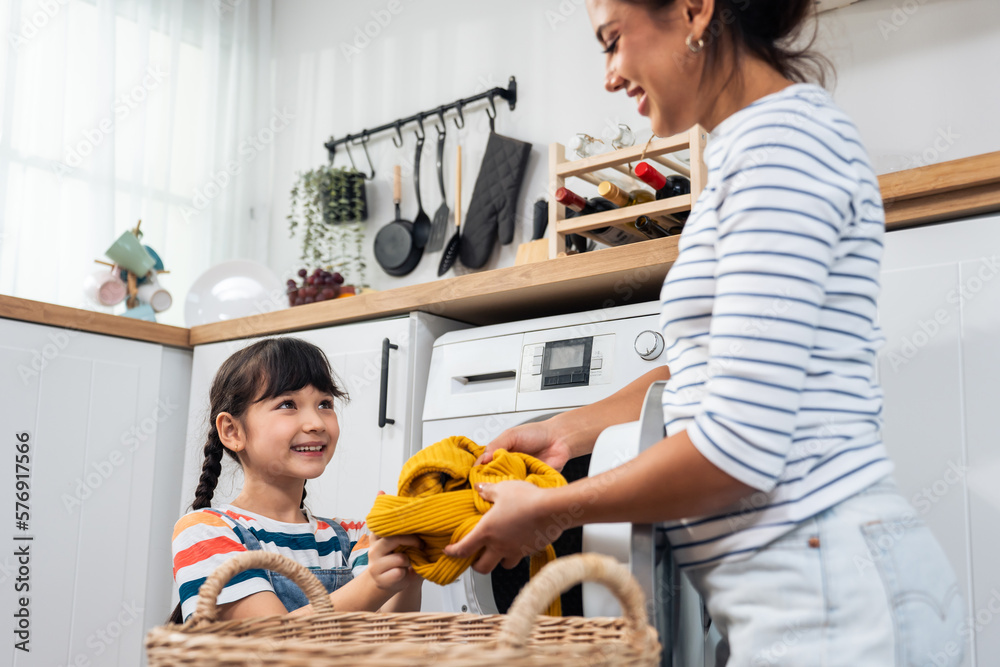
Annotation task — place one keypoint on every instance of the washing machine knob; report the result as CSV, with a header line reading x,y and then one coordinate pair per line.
x,y
649,345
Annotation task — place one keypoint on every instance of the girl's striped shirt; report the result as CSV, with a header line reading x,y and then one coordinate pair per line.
x,y
203,540
769,316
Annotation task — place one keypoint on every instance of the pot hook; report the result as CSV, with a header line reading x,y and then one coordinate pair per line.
x,y
364,144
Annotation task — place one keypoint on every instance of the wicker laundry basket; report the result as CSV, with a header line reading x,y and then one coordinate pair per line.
x,y
521,638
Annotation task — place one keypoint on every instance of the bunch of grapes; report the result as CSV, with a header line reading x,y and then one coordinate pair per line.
x,y
321,285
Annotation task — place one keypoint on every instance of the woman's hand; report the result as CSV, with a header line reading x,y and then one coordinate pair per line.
x,y
390,570
517,525
539,439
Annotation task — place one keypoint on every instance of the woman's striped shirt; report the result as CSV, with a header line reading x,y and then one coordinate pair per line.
x,y
769,316
203,540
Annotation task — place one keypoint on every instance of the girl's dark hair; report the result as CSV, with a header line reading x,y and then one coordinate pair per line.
x,y
256,373
768,29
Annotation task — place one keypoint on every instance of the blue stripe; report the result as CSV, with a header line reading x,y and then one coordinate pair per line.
x,y
775,254
854,276
759,382
681,338
687,368
801,113
686,298
839,391
786,167
844,360
303,542
855,255
867,413
189,589
785,188
775,209
811,136
715,558
796,149
765,361
845,451
736,460
843,333
685,319
854,294
699,543
776,231
862,238
771,296
775,431
771,274
764,340
754,404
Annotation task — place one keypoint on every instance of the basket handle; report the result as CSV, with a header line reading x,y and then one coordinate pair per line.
x,y
208,594
558,577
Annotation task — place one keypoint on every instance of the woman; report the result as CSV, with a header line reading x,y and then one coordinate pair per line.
x,y
773,479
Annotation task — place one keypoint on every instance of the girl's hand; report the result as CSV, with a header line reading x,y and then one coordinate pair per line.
x,y
391,571
517,525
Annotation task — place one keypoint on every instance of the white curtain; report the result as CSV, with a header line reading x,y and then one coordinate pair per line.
x,y
119,110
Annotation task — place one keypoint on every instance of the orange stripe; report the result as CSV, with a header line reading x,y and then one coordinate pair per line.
x,y
205,549
198,518
362,543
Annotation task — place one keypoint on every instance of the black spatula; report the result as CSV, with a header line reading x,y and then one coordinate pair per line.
x,y
440,225
451,250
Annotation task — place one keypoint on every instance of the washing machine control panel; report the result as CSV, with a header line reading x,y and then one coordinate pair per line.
x,y
570,362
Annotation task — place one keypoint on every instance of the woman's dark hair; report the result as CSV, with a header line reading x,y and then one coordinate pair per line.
x,y
256,373
768,29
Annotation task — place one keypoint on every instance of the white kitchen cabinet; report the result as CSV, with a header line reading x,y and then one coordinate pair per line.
x,y
101,413
368,457
940,369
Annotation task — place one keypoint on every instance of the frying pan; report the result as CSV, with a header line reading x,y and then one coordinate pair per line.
x,y
451,250
395,249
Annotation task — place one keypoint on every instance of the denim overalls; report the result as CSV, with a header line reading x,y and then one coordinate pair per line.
x,y
287,591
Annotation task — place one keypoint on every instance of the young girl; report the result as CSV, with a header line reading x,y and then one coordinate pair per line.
x,y
272,411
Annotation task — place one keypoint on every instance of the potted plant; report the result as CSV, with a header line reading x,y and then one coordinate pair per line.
x,y
328,210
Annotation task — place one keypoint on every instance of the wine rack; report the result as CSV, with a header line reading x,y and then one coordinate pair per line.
x,y
657,151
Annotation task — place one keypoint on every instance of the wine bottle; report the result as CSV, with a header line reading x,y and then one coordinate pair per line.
x,y
665,186
622,198
581,206
652,229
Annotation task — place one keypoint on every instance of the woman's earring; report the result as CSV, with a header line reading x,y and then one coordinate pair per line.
x,y
693,46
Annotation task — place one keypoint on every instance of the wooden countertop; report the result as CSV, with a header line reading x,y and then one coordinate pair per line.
x,y
14,308
613,276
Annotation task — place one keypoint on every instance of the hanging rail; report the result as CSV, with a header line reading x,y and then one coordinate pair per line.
x,y
509,93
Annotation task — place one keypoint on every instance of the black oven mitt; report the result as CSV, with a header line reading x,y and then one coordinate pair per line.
x,y
493,209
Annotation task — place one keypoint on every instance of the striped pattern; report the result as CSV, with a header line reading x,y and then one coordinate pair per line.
x,y
203,540
769,315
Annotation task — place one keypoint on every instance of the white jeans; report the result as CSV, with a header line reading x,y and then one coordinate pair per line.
x,y
862,583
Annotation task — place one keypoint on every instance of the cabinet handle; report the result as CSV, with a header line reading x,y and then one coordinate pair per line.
x,y
384,384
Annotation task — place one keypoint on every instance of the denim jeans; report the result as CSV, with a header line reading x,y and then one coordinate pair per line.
x,y
862,583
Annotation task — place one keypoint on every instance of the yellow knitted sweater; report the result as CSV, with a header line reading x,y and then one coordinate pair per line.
x,y
437,502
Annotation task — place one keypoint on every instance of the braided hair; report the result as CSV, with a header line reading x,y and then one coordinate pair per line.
x,y
259,372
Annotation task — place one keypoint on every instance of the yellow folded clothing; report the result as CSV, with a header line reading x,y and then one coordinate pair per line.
x,y
437,501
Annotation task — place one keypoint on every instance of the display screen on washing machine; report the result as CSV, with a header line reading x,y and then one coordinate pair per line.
x,y
566,363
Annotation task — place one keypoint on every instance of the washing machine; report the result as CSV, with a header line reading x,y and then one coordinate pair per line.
x,y
485,380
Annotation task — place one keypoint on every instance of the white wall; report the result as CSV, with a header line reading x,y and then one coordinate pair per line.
x,y
910,72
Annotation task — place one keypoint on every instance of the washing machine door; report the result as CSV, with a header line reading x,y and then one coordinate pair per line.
x,y
675,607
